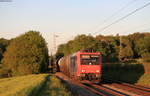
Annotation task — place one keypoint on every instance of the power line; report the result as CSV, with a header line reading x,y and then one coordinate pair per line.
x,y
116,13
102,29
143,30
127,5
139,26
146,29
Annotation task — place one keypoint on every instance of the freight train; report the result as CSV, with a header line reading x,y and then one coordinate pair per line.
x,y
82,66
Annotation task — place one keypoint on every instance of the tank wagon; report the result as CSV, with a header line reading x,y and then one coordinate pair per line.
x,y
82,65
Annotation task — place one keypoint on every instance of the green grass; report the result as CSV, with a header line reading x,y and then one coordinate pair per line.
x,y
33,85
54,87
22,86
144,80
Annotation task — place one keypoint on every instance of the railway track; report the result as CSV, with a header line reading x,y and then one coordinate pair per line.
x,y
131,88
137,89
87,88
107,91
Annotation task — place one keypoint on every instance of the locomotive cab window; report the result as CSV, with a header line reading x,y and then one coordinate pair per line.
x,y
90,60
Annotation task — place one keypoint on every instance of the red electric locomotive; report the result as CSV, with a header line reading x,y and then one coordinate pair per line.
x,y
82,65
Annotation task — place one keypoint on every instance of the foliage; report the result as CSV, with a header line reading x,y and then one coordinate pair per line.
x,y
98,44
26,54
80,42
26,85
4,72
137,41
126,48
3,44
108,47
144,48
113,48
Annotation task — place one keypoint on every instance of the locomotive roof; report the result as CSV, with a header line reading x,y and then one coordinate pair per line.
x,y
74,54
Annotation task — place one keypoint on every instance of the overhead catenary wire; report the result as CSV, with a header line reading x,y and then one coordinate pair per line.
x,y
122,18
139,26
145,29
116,13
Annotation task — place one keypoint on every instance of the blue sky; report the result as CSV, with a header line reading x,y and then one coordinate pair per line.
x,y
68,18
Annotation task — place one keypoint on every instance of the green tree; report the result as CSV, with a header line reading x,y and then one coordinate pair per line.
x,y
144,47
26,54
3,44
83,42
80,42
136,39
132,46
126,51
108,46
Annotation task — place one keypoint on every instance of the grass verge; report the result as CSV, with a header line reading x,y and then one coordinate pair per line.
x,y
144,80
54,87
22,86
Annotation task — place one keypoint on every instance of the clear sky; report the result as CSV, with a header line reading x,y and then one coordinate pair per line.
x,y
68,18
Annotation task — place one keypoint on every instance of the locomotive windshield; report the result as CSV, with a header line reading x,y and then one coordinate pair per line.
x,y
90,60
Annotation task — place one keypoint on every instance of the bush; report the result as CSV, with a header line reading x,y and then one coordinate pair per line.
x,y
146,57
4,73
125,72
26,54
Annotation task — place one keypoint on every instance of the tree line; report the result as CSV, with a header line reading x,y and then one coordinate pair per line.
x,y
25,54
113,48
28,53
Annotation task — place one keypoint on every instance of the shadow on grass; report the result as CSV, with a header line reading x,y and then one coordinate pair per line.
x,y
125,72
53,87
44,91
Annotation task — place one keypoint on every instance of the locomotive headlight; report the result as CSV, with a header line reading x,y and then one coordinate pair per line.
x,y
83,70
97,70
